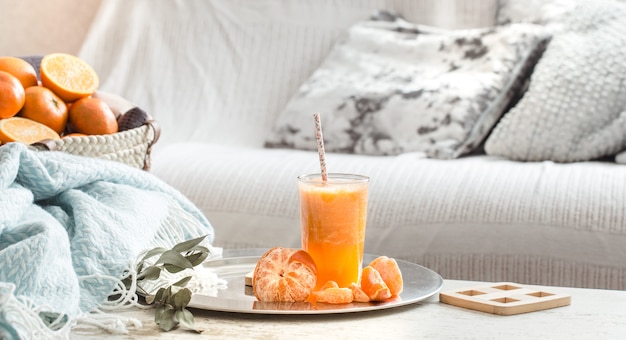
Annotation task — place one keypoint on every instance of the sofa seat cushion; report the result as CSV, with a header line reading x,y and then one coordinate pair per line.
x,y
479,217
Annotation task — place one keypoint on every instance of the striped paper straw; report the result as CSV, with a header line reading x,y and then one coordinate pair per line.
x,y
320,145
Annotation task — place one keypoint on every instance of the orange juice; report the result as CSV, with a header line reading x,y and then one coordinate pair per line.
x,y
333,215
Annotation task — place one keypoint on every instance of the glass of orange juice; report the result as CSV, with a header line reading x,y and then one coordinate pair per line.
x,y
333,215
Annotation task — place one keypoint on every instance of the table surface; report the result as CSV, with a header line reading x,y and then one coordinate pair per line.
x,y
592,314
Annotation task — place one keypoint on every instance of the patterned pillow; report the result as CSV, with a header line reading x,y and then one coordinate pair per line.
x,y
575,106
390,87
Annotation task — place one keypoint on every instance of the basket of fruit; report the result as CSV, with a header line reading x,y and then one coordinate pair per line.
x,y
53,103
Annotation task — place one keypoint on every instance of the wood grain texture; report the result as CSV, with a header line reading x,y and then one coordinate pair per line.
x,y
504,298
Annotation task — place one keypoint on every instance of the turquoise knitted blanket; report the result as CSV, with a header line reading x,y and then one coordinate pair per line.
x,y
70,227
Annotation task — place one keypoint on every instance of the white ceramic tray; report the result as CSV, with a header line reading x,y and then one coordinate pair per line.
x,y
419,283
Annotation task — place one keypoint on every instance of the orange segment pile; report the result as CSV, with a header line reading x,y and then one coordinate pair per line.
x,y
289,275
68,76
62,101
380,281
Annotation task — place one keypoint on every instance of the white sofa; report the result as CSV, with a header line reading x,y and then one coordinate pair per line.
x,y
216,74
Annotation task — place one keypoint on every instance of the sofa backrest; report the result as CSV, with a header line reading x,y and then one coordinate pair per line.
x,y
220,71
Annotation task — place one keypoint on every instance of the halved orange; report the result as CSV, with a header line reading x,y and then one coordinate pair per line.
x,y
373,285
390,272
68,76
24,130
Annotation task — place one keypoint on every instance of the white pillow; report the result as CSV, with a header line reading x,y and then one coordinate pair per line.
x,y
220,71
391,87
575,107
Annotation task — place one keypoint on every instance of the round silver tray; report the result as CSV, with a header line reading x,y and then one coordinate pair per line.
x,y
419,283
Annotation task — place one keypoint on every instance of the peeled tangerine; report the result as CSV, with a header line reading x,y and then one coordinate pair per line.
x,y
285,275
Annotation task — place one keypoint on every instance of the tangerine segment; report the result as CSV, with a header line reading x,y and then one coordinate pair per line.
x,y
334,295
20,69
373,285
12,95
358,293
284,274
69,77
390,272
330,284
18,129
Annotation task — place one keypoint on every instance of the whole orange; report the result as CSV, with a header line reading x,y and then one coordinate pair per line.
x,y
92,116
11,95
20,69
45,107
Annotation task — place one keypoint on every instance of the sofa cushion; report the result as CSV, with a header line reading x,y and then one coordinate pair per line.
x,y
575,107
221,70
390,87
473,218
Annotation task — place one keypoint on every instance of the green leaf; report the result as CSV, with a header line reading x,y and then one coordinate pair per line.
x,y
159,295
197,258
186,320
149,273
153,252
167,294
167,320
182,298
173,290
182,282
201,249
172,268
158,313
174,258
186,245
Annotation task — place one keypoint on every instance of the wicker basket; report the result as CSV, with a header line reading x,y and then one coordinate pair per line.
x,y
131,147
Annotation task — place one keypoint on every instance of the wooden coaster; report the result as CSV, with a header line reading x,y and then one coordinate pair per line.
x,y
504,298
248,278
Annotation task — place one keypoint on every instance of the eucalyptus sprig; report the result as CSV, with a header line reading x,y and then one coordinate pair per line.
x,y
171,300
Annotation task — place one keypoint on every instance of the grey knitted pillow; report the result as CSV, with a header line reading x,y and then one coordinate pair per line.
x,y
390,87
575,107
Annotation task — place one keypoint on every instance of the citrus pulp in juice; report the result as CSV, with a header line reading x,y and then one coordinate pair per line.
x,y
333,215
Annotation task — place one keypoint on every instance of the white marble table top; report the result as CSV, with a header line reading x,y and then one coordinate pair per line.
x,y
592,314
